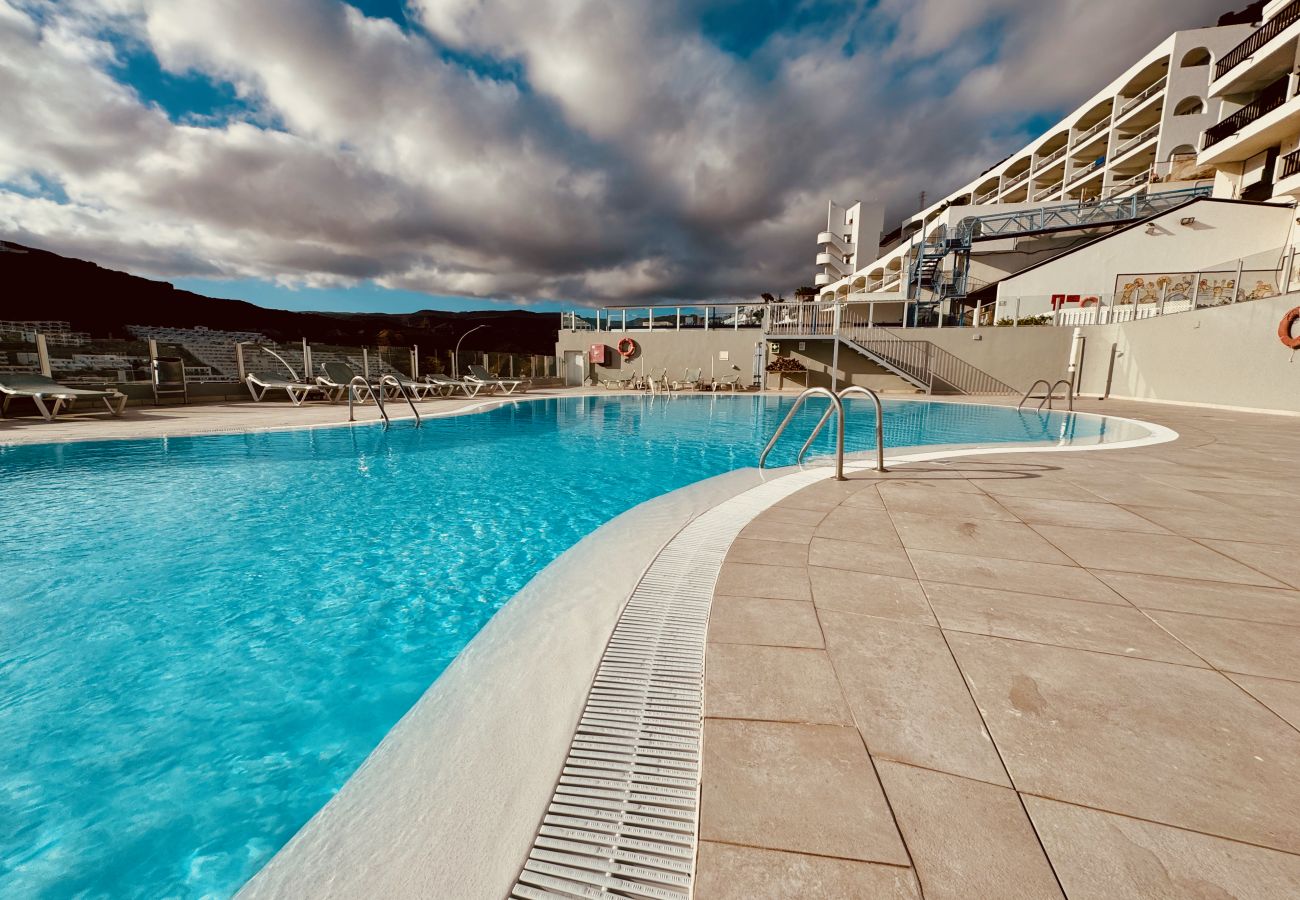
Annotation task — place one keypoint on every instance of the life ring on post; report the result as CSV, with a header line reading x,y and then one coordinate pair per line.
x,y
627,348
1284,329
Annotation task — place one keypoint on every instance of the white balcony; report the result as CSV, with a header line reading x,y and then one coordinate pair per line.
x,y
1046,161
1090,134
1134,142
821,279
1132,104
835,242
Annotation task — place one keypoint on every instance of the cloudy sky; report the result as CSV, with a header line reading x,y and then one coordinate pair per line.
x,y
381,154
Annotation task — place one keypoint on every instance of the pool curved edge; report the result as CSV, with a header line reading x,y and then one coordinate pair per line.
x,y
449,802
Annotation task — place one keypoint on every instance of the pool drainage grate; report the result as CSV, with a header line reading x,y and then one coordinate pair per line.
x,y
622,820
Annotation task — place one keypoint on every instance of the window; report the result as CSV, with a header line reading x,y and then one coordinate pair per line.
x,y
848,238
1191,106
1194,58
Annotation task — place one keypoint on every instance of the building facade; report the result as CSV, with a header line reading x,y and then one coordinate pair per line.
x,y
1139,133
1255,144
852,237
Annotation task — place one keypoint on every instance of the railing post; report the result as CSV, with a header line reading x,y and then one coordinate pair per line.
x,y
1236,284
651,320
1196,290
1015,319
735,318
679,318
43,355
1164,292
1286,276
929,374
625,320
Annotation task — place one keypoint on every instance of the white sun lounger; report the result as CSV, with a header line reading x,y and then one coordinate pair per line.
x,y
39,389
448,386
259,383
487,379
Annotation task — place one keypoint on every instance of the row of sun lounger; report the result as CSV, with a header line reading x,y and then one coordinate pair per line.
x,y
337,379
333,384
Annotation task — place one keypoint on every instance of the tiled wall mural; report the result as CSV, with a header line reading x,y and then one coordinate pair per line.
x,y
1216,288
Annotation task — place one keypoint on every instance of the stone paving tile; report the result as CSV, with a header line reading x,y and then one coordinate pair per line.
x,y
791,516
1103,627
1036,511
855,556
777,531
728,872
1279,561
1101,856
777,684
759,620
1139,491
1048,580
1250,648
866,594
1150,554
1167,743
864,526
804,788
1210,598
1049,487
1282,697
748,550
908,696
976,537
773,582
1222,524
966,838
869,498
926,499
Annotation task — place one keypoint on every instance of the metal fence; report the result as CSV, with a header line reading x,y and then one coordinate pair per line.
x,y
227,356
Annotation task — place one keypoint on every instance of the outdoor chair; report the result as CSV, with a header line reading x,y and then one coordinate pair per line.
x,y
39,389
168,376
260,382
487,379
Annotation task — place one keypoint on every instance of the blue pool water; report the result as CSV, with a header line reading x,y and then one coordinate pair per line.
x,y
201,638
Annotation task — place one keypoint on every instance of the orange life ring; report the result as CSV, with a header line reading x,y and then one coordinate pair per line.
x,y
1284,329
627,348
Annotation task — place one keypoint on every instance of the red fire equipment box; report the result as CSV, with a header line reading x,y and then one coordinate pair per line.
x,y
598,355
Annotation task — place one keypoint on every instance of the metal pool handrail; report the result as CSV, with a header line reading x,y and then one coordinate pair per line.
x,y
378,395
837,407
880,425
1051,389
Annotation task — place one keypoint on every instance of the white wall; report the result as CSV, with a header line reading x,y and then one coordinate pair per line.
x,y
1222,230
1225,356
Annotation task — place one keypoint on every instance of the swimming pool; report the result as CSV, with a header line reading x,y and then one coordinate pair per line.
x,y
201,638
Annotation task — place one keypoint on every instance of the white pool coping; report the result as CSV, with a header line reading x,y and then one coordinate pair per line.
x,y
449,803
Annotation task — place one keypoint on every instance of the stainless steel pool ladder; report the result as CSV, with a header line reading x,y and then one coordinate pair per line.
x,y
378,395
1047,398
836,408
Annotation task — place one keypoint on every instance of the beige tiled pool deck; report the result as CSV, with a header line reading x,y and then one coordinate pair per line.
x,y
1016,676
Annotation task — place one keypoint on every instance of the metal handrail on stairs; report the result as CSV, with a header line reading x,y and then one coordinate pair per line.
x,y
836,407
1047,398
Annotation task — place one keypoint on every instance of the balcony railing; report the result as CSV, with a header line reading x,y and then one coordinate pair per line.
x,y
1023,176
1093,131
1268,100
1144,96
1134,142
1048,160
1087,170
1048,191
985,198
1290,165
1286,17
1120,187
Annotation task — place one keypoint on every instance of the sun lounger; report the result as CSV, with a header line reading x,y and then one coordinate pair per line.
x,y
337,377
419,390
687,381
448,386
260,382
487,379
40,389
168,376
617,383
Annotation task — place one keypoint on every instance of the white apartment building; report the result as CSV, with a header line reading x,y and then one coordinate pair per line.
x,y
1255,144
851,238
1139,133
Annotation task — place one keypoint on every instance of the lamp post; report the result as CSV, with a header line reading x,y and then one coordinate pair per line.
x,y
455,354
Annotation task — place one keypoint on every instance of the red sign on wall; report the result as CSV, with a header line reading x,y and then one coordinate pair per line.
x,y
597,354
